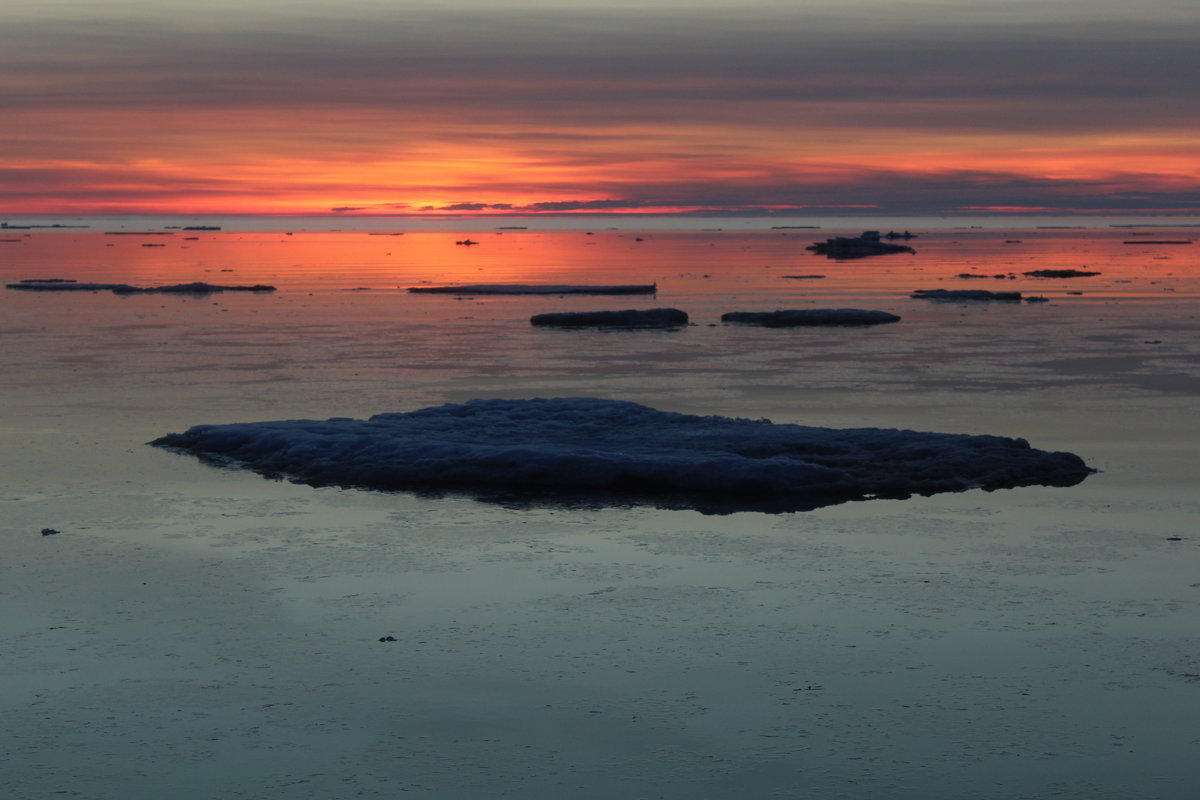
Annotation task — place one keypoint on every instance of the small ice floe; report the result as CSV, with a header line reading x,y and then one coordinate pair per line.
x,y
1060,273
535,288
809,316
628,318
66,285
593,451
197,287
965,294
868,244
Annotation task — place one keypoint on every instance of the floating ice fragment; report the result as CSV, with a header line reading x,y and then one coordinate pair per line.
x,y
628,318
868,244
586,450
965,294
66,284
810,316
196,287
1060,273
533,288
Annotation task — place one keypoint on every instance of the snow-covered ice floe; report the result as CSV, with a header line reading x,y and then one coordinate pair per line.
x,y
810,316
592,451
535,288
627,318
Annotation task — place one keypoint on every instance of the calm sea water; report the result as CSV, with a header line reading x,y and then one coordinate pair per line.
x,y
725,260
343,336
223,628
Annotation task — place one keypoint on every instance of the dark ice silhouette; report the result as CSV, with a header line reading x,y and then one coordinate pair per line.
x,y
870,243
627,318
809,316
68,285
596,452
1060,273
534,288
973,295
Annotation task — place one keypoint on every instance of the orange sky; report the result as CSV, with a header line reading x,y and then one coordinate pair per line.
x,y
311,106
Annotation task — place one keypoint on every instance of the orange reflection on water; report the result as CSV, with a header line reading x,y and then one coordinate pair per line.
x,y
683,264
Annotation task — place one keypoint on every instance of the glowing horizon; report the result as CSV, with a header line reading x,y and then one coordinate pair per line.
x,y
415,108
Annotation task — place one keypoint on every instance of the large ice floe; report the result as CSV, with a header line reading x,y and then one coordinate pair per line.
x,y
595,452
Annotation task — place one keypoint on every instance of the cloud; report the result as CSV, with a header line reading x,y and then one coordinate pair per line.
x,y
651,62
544,107
465,207
580,205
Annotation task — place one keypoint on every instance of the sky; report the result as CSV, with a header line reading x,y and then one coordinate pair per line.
x,y
756,107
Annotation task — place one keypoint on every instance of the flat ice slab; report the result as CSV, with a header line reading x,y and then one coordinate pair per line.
x,y
1060,273
585,450
67,285
534,288
810,316
627,318
965,294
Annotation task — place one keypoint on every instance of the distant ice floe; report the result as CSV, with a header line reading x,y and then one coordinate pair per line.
x,y
595,452
810,316
627,318
966,294
870,243
68,285
534,288
1061,273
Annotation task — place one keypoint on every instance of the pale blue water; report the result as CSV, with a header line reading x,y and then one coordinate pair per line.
x,y
194,632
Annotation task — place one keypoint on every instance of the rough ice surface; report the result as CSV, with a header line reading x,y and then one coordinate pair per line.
x,y
627,318
593,451
868,244
535,288
810,316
